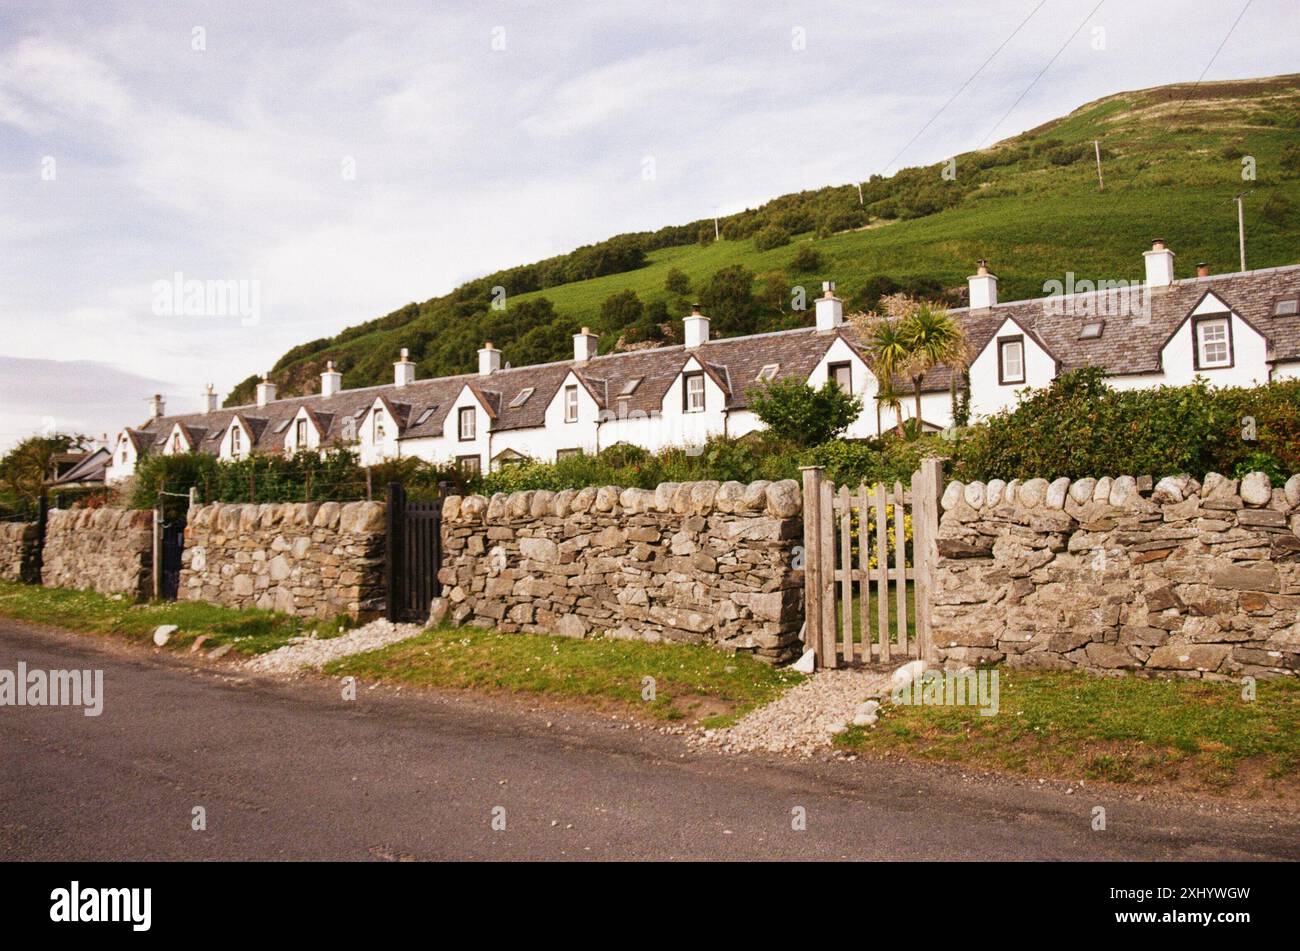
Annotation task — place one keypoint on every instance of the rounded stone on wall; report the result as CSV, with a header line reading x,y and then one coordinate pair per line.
x,y
1101,491
562,505
1081,490
583,500
664,493
519,504
540,506
1292,491
1123,491
496,507
953,493
473,508
606,498
1057,492
1033,493
784,500
732,493
702,496
755,497
1011,495
974,494
451,508
682,498
993,492
1256,489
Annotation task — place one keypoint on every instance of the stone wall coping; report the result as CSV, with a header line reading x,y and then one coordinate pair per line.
x,y
1254,490
353,518
782,499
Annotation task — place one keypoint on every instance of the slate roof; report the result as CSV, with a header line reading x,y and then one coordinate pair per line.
x,y
1126,346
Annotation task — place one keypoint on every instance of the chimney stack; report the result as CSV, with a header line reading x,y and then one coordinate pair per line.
x,y
403,370
1202,270
209,400
489,359
158,406
265,391
1160,264
830,309
983,287
331,380
696,327
584,345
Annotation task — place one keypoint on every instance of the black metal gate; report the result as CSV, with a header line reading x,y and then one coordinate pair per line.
x,y
414,555
173,545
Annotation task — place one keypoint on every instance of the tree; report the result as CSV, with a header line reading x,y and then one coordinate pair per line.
x,y
728,299
795,412
24,468
676,282
806,260
773,236
774,290
909,340
621,311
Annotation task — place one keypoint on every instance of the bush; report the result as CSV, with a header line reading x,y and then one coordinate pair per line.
x,y
806,260
773,236
1080,427
794,412
676,282
887,459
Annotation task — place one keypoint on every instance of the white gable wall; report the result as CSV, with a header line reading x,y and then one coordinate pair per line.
x,y
987,395
670,426
541,444
122,466
1178,362
369,450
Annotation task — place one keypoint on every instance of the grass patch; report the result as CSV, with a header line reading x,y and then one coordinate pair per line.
x,y
247,632
1121,729
691,682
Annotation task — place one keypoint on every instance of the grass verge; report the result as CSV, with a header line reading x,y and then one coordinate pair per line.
x,y
1185,733
247,632
690,682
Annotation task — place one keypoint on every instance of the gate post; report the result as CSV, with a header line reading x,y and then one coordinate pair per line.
x,y
925,531
812,567
393,567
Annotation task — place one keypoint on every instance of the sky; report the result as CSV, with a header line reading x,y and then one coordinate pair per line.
x,y
324,163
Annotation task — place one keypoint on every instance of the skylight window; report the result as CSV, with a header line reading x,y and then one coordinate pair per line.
x,y
1286,307
630,386
1092,330
768,373
424,417
283,426
521,398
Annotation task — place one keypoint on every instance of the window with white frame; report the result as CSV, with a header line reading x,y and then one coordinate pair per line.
x,y
693,393
300,436
176,442
1213,343
571,404
465,424
841,374
235,441
1011,360
379,432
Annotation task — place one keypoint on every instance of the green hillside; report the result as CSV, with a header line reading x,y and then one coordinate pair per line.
x,y
1172,159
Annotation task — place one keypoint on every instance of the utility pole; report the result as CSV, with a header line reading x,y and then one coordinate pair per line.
x,y
860,193
1241,227
716,233
1101,186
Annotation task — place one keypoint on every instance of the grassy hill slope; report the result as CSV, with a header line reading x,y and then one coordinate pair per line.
x,y
1172,159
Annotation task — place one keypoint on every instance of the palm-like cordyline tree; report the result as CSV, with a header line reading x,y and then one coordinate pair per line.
x,y
908,341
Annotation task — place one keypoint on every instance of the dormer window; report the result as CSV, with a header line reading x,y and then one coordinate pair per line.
x,y
1213,338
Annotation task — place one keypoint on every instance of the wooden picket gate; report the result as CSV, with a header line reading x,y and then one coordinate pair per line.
x,y
839,575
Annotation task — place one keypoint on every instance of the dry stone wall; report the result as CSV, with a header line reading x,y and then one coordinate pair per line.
x,y
1188,578
698,562
106,550
317,559
19,547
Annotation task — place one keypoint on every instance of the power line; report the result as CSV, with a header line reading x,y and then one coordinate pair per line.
x,y
1187,98
1035,80
963,86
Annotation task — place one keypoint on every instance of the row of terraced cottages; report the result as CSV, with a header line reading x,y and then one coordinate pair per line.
x,y
1233,329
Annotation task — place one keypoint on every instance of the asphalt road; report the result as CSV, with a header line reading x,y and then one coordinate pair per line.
x,y
294,771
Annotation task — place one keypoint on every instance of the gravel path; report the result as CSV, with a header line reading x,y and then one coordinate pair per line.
x,y
314,652
802,720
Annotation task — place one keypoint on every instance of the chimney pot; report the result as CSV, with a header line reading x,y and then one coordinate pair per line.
x,y
1159,264
489,359
158,406
585,345
331,381
696,327
209,400
1202,270
266,391
983,287
829,308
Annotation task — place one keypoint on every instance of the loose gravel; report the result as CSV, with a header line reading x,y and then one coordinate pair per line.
x,y
804,719
313,652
